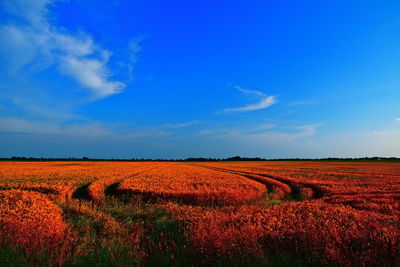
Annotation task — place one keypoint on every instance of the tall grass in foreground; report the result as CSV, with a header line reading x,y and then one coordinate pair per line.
x,y
304,214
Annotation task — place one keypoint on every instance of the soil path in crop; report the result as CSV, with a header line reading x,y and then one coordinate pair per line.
x,y
283,187
112,185
61,193
97,190
81,192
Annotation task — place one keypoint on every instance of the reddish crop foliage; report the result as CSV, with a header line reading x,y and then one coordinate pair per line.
x,y
31,221
108,229
96,189
61,191
335,234
59,180
352,184
192,184
337,213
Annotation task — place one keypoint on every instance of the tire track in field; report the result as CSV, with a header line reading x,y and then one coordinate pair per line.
x,y
296,191
279,189
97,190
106,225
111,188
61,193
81,192
193,185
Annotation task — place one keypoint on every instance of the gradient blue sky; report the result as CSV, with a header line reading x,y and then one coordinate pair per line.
x,y
176,79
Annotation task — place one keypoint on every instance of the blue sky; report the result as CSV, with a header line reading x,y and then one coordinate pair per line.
x,y
176,79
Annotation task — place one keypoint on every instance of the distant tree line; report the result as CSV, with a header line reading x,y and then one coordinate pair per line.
x,y
200,159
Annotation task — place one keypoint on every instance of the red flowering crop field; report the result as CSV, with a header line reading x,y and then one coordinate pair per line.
x,y
266,213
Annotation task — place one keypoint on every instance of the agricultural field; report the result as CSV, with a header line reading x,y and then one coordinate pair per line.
x,y
199,213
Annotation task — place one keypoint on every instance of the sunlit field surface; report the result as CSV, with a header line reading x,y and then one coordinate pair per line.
x,y
208,214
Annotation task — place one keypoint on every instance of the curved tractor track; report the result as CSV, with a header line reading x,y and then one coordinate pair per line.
x,y
279,188
62,193
97,190
282,187
194,185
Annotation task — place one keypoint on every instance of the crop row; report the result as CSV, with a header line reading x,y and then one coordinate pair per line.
x,y
31,221
380,186
335,235
192,184
59,180
350,213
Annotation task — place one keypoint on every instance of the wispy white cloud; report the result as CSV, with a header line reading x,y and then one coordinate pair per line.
x,y
302,103
33,41
279,137
91,74
221,132
134,49
265,102
306,130
276,142
264,135
16,125
180,125
397,119
52,114
262,127
33,11
80,129
245,91
148,133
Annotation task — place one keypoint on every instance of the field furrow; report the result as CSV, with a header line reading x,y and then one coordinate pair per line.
x,y
282,187
29,220
96,191
199,214
192,184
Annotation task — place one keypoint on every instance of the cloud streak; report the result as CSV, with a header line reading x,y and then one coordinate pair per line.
x,y
32,41
87,128
181,125
245,91
265,102
91,74
264,133
302,103
16,125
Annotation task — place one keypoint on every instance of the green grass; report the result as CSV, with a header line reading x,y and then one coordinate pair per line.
x,y
162,240
12,256
296,195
